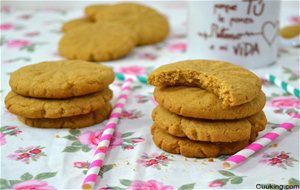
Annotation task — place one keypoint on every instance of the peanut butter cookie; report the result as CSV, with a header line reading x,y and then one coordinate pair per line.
x,y
97,42
149,25
189,148
56,108
78,121
61,79
207,130
232,84
199,103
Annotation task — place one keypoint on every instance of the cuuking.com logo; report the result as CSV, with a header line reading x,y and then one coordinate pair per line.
x,y
274,186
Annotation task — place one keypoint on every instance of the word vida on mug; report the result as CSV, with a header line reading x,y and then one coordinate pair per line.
x,y
255,8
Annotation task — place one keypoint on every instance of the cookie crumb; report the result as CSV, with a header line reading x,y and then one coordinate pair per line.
x,y
210,160
274,145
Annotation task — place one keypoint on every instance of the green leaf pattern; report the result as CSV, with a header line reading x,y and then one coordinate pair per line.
x,y
8,184
230,177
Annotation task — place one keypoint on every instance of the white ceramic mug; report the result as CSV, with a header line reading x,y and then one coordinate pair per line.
x,y
243,32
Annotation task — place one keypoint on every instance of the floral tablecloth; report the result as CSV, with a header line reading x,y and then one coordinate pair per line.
x,y
47,159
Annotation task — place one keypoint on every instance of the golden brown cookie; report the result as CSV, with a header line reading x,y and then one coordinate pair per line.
x,y
56,108
290,31
149,25
92,10
97,42
78,121
61,79
233,84
258,121
73,24
207,130
198,103
189,148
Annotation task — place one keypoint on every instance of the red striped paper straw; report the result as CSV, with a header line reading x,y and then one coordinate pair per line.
x,y
254,147
100,153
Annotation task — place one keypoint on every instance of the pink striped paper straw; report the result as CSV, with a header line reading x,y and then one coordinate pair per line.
x,y
254,147
100,153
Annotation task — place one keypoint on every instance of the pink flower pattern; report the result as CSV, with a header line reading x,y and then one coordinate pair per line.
x,y
154,160
85,165
280,159
147,56
17,43
229,177
294,19
130,142
5,9
28,153
177,47
2,139
6,26
131,114
89,140
284,102
216,183
81,164
92,138
8,131
150,184
33,185
141,99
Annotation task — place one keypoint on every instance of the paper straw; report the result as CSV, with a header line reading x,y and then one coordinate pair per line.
x,y
254,147
100,153
284,85
137,78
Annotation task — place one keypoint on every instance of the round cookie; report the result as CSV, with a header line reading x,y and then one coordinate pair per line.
x,y
189,148
290,31
73,24
149,25
78,121
92,10
233,84
56,108
198,103
61,79
207,130
97,42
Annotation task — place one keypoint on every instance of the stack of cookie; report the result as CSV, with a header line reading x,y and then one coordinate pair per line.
x,y
112,31
206,108
61,94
